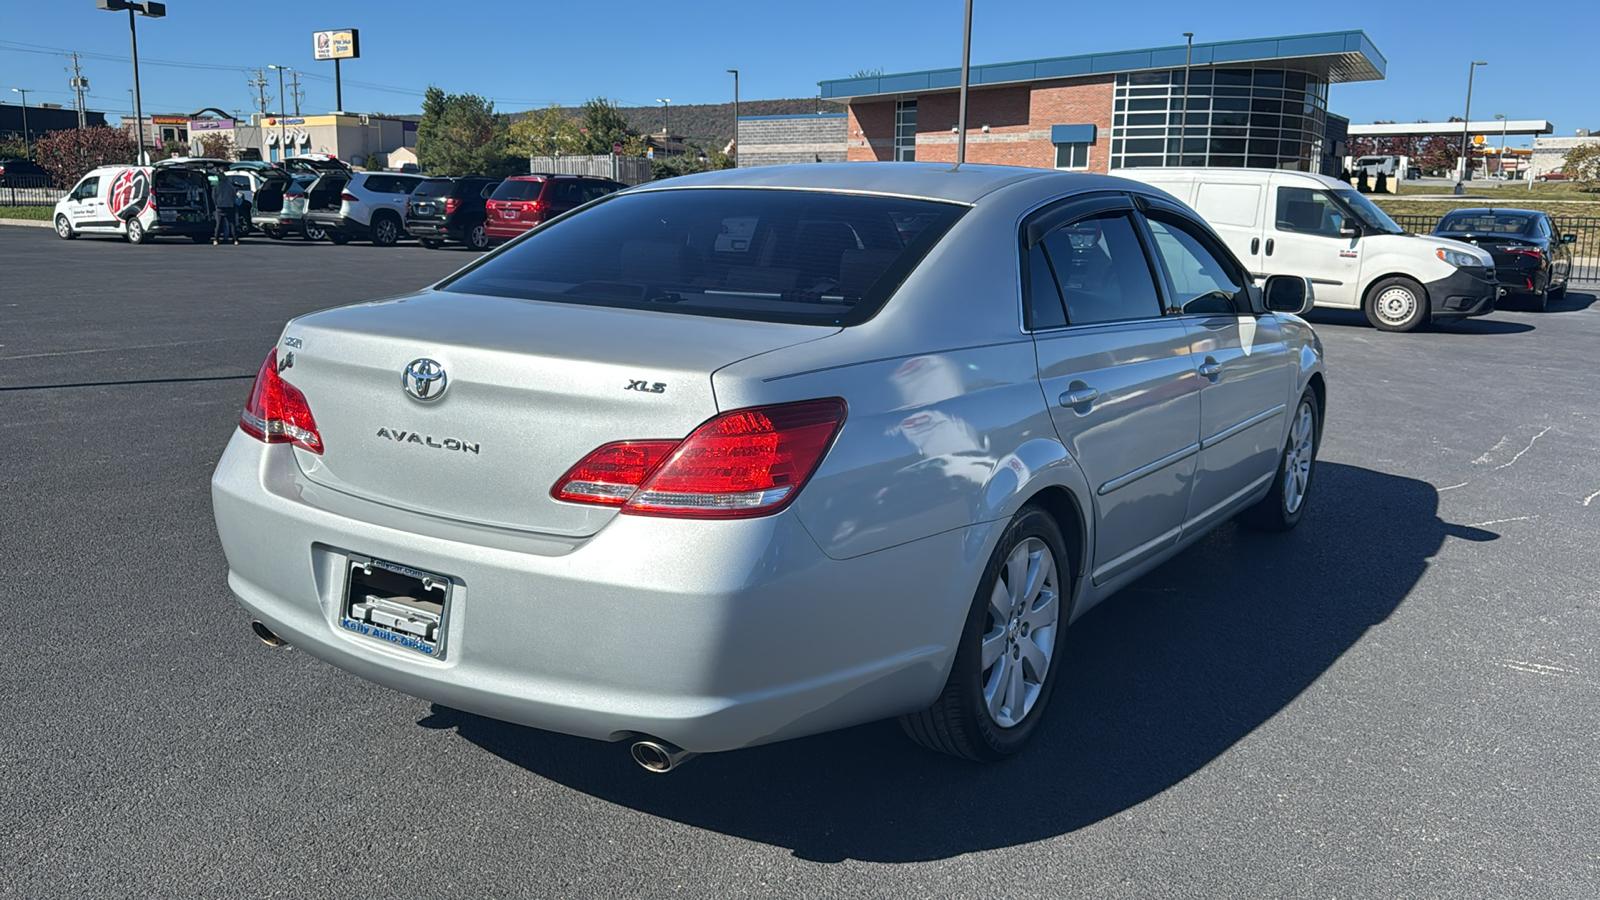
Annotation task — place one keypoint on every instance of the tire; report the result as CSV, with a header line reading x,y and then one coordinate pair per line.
x,y
971,718
313,232
385,231
1396,304
1559,294
339,239
199,238
1541,300
478,237
136,233
273,233
64,229
431,244
1285,503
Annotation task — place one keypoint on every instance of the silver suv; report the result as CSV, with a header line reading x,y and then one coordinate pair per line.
x,y
361,205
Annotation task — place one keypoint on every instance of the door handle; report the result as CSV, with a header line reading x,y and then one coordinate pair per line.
x,y
1269,246
1255,246
1211,369
1079,397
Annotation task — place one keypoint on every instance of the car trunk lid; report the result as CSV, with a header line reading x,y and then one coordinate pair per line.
x,y
530,389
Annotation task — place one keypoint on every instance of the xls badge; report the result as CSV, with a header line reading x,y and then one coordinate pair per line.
x,y
424,380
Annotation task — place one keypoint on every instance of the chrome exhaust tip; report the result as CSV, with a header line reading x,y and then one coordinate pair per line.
x,y
266,635
660,756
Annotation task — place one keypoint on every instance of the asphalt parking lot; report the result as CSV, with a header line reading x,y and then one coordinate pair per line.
x,y
1400,698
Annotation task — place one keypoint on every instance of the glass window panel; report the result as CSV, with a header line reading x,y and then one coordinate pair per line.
x,y
1120,105
1148,77
1235,161
1232,92
1044,298
1102,271
1203,281
1148,119
1146,145
1269,78
1262,162
1148,92
1233,77
1146,104
1227,145
1266,106
1308,211
1203,76
1295,80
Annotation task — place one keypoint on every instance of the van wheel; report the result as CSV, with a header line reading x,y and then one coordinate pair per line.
x,y
64,229
1397,304
1281,508
1006,662
385,231
136,234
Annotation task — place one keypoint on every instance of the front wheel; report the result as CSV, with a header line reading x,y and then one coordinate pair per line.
x,y
385,231
1005,664
64,229
431,244
1397,304
1283,506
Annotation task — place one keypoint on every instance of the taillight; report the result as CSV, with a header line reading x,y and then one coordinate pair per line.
x,y
750,462
348,197
450,205
277,412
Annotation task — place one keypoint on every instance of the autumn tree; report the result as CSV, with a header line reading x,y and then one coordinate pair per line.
x,y
68,154
1582,165
216,146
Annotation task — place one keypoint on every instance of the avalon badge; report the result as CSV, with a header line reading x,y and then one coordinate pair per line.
x,y
424,379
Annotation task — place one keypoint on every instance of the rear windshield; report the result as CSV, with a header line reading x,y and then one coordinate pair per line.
x,y
433,187
805,257
518,190
1485,223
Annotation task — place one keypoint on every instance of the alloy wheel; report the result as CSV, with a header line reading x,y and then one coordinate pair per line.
x,y
1297,459
1019,640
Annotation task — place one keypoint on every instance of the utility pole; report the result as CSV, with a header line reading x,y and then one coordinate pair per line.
x,y
961,110
79,85
1183,123
297,94
283,134
259,82
24,92
735,74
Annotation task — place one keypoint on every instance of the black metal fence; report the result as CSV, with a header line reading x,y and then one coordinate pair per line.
x,y
1585,250
28,190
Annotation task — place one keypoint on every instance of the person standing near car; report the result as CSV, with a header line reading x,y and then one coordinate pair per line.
x,y
225,199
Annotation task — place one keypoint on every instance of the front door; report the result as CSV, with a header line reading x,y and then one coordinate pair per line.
x,y
1305,241
1119,380
1243,359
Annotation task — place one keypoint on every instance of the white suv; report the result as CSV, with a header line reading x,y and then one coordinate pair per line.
x,y
370,205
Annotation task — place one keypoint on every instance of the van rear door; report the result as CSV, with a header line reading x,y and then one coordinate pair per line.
x,y
1234,208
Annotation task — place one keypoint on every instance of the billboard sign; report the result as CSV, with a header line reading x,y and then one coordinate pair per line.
x,y
210,125
342,44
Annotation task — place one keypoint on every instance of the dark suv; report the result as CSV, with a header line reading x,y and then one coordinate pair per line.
x,y
450,209
523,201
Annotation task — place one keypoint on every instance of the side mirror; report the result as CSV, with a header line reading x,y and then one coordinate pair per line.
x,y
1569,239
1288,294
1349,230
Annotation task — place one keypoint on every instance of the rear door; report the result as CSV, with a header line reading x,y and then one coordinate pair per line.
x,y
1234,208
1117,375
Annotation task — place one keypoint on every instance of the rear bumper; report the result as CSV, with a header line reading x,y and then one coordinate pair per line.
x,y
713,635
1463,294
505,231
439,229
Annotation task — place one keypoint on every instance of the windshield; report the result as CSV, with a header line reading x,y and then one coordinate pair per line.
x,y
1368,214
805,257
518,189
1485,223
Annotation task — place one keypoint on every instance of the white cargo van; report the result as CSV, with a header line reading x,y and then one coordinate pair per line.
x,y
1293,223
138,203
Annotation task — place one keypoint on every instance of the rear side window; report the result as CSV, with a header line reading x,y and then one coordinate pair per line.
x,y
567,192
805,257
1101,270
594,190
433,187
519,189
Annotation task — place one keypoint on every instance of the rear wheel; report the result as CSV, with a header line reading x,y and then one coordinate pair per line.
x,y
1281,509
199,238
136,233
432,244
64,229
337,237
1004,668
272,232
1397,304
385,231
313,232
478,237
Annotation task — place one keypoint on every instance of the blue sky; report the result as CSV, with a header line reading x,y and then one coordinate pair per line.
x,y
525,55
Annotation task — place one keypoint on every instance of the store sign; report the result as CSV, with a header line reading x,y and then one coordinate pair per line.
x,y
345,44
290,121
170,120
210,125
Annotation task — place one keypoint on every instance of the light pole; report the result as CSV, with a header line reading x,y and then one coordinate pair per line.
x,y
1504,122
666,124
144,8
1461,174
24,92
961,111
735,74
283,148
1183,123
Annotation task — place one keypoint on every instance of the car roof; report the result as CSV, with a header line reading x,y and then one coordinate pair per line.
x,y
930,181
1225,171
1496,210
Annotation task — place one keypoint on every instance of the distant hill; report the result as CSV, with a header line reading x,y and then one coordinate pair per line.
x,y
711,124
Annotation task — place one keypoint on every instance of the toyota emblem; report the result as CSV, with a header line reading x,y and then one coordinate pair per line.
x,y
424,379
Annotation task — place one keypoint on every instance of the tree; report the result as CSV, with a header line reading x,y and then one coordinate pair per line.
x,y
549,132
13,149
696,160
216,146
460,135
68,154
602,125
868,73
1582,164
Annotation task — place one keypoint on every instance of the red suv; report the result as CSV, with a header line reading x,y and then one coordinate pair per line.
x,y
523,201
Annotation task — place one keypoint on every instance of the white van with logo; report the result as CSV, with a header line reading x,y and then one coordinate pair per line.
x,y
138,203
1294,223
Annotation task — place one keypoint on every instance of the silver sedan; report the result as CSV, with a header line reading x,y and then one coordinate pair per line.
x,y
745,456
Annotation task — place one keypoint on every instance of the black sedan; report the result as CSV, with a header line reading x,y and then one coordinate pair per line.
x,y
22,173
1531,258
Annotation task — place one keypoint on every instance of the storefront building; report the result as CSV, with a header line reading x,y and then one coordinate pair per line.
x,y
1258,103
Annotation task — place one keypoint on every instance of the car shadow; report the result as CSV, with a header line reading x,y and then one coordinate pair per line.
x,y
1156,683
1353,318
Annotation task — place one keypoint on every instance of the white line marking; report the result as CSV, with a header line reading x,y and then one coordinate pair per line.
x,y
1454,486
1489,452
1590,497
115,349
1498,521
1527,448
1534,668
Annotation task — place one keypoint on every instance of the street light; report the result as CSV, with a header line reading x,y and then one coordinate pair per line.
x,y
735,74
1504,122
666,125
1461,174
1183,123
283,148
961,104
24,93
144,8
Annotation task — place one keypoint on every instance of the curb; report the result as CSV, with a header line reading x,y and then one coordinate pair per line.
x,y
27,223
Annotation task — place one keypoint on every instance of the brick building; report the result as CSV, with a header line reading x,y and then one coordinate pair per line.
x,y
1258,103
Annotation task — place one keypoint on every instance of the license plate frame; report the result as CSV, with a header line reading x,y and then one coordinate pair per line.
x,y
508,213
396,604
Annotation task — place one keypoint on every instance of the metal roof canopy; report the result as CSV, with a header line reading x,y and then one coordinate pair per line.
x,y
1339,56
1423,129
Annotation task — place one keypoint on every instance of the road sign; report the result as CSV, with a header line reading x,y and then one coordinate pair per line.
x,y
616,148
